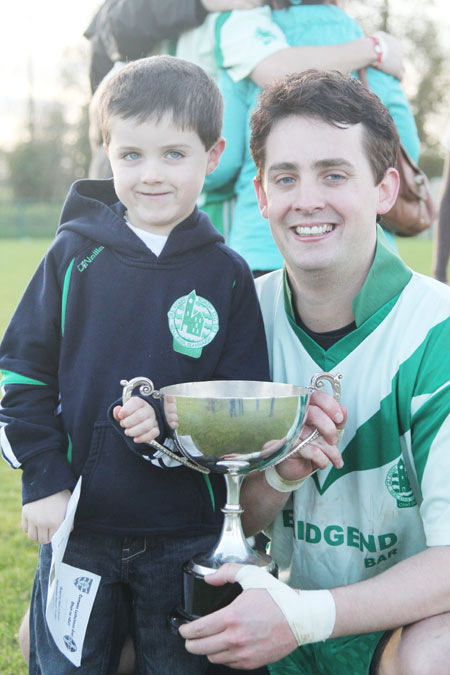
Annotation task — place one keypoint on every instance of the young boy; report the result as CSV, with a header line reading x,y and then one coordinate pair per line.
x,y
131,257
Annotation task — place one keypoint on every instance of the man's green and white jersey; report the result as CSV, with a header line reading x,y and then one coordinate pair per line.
x,y
392,497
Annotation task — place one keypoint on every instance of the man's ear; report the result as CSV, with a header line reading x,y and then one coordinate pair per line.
x,y
388,190
214,155
261,196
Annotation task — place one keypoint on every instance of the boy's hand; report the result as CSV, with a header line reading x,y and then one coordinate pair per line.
x,y
170,411
138,419
41,519
329,417
226,5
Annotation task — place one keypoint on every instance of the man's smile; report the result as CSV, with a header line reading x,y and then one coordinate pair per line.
x,y
313,230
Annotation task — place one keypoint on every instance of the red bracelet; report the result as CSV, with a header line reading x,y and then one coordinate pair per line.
x,y
378,48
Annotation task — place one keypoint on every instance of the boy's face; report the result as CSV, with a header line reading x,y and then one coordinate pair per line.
x,y
319,194
159,170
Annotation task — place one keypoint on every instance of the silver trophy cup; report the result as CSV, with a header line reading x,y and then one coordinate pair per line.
x,y
229,427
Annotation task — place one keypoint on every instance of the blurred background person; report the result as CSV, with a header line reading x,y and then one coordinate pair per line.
x,y
124,30
310,23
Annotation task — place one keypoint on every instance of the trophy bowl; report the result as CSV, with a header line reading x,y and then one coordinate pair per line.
x,y
230,427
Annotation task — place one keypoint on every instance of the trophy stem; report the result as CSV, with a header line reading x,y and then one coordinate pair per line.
x,y
232,546
201,598
234,482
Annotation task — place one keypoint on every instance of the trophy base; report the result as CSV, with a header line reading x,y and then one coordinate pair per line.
x,y
201,598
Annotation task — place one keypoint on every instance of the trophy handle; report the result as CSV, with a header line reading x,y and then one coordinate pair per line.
x,y
146,388
317,382
319,379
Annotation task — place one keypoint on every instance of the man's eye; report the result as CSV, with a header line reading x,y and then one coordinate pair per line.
x,y
335,177
174,154
285,180
131,156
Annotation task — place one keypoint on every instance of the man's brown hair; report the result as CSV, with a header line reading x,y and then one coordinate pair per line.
x,y
332,98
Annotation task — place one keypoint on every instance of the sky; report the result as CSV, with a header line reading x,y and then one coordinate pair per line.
x,y
39,33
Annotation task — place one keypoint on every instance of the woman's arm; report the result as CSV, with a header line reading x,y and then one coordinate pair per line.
x,y
344,57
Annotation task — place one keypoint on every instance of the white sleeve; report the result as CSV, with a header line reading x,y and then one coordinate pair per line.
x,y
197,45
244,38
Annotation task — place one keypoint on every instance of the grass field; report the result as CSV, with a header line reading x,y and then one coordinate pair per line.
x,y
17,555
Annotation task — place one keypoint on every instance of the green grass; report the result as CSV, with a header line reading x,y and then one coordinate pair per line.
x,y
28,219
19,259
17,554
17,562
417,253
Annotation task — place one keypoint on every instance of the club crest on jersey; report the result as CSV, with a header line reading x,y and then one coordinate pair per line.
x,y
398,485
194,323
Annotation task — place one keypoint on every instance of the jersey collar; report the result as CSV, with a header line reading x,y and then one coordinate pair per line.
x,y
386,279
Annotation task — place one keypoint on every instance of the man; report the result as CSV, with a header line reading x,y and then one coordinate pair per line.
x,y
376,532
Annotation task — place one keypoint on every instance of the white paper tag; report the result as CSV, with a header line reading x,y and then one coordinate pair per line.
x,y
71,591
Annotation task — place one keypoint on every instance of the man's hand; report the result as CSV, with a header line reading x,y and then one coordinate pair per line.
x,y
393,62
226,5
329,417
41,519
249,633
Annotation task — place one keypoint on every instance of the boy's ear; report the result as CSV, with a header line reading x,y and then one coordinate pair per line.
x,y
261,196
214,155
388,190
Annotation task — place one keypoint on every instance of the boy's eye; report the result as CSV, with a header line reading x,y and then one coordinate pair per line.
x,y
174,154
130,156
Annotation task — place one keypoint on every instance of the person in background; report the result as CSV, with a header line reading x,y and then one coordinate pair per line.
x,y
307,23
123,31
441,239
364,551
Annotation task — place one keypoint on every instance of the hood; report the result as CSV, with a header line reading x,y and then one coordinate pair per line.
x,y
93,211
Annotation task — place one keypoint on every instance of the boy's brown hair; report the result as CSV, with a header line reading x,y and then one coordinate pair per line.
x,y
160,85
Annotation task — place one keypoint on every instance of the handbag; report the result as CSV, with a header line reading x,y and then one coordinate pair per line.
x,y
414,210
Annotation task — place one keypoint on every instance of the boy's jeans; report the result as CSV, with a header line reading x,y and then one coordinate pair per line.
x,y
141,583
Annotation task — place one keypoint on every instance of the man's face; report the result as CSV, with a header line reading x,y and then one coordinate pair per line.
x,y
319,194
159,170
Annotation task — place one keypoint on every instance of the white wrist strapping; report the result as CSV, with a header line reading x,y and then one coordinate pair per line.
x,y
311,615
280,484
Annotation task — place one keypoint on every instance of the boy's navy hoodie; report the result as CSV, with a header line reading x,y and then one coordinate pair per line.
x,y
100,308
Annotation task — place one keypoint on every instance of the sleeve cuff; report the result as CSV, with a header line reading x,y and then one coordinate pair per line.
x,y
45,475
